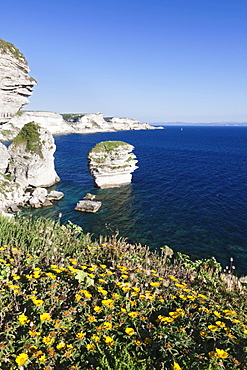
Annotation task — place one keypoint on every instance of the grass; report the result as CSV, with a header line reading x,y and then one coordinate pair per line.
x,y
107,146
69,302
7,47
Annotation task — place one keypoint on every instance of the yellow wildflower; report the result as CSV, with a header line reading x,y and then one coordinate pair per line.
x,y
21,359
213,327
42,359
91,319
156,284
220,324
174,314
80,335
133,314
217,314
173,278
47,340
23,319
107,325
45,317
98,308
61,345
91,346
109,340
95,338
221,353
176,366
129,331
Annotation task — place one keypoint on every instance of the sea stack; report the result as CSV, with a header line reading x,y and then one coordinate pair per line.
x,y
111,163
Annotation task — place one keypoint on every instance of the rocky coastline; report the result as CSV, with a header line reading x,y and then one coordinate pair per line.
x,y
27,165
61,124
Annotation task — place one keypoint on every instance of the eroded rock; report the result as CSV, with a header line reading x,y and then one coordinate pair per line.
x,y
15,83
111,163
32,160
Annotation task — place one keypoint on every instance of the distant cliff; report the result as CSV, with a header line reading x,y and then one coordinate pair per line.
x,y
58,124
15,83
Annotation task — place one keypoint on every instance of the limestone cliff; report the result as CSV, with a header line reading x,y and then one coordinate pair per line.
x,y
59,124
53,122
111,163
26,166
15,83
31,157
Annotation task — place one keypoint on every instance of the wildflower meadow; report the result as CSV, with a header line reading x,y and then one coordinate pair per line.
x,y
70,302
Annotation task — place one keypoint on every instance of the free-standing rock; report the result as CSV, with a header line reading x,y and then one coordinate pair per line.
x,y
111,163
87,205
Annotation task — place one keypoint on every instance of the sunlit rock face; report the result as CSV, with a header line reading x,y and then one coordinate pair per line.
x,y
32,157
112,163
15,83
4,158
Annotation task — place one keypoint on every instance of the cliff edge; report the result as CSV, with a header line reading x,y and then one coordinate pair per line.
x,y
15,83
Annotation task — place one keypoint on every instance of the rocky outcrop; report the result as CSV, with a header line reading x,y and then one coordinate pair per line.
x,y
15,83
88,206
111,163
26,167
31,157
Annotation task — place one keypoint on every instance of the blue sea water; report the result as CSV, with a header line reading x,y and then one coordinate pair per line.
x,y
189,192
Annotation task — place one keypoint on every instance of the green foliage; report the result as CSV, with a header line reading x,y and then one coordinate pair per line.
x,y
107,146
30,136
72,117
7,47
68,302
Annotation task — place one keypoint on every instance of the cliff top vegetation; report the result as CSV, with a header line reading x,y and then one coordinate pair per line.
x,y
8,47
29,135
107,146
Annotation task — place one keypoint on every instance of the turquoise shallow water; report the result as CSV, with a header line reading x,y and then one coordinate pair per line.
x,y
189,191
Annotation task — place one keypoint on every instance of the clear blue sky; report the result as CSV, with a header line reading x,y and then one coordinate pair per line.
x,y
154,60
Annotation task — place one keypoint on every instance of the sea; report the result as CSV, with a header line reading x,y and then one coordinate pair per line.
x,y
189,191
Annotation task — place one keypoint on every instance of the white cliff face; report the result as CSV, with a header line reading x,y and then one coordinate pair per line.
x,y
111,163
74,123
15,83
91,123
120,124
53,122
31,157
4,158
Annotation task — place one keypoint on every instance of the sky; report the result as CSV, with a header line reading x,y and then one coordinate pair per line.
x,y
153,60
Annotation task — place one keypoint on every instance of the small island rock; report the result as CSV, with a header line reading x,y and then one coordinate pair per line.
x,y
111,163
88,206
